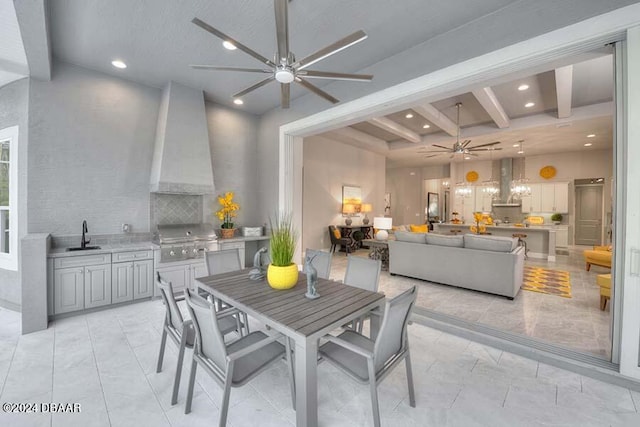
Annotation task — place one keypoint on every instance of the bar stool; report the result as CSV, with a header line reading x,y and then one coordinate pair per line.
x,y
522,242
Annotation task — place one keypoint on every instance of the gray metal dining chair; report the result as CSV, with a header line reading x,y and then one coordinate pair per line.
x,y
225,261
234,364
362,273
369,361
182,332
321,261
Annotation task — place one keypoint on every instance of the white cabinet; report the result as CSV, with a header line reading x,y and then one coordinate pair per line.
x,y
199,270
134,279
68,289
483,200
533,202
143,279
97,286
179,274
555,197
562,237
122,286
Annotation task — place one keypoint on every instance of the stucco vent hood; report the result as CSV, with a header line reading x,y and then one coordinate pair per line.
x,y
506,176
181,158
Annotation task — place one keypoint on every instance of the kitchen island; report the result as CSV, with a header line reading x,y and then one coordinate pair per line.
x,y
541,241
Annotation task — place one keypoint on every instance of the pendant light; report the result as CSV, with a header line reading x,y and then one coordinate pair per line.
x,y
461,189
491,187
520,187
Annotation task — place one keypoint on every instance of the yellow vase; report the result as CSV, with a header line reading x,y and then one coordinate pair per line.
x,y
282,277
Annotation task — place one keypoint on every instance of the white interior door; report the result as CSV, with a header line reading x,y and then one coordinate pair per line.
x,y
588,214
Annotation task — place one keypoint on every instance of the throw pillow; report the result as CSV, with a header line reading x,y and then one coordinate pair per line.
x,y
399,228
405,236
424,228
490,243
336,233
441,240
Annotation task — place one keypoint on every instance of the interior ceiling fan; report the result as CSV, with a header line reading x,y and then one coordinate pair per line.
x,y
462,147
285,68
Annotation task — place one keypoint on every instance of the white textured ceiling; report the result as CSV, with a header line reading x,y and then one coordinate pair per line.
x,y
158,42
13,60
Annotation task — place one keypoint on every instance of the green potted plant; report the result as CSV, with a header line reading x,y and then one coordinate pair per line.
x,y
556,218
282,273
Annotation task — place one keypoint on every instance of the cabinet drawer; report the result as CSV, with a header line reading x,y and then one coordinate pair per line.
x,y
231,245
81,261
132,256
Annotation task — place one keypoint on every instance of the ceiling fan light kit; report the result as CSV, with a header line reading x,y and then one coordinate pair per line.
x,y
285,69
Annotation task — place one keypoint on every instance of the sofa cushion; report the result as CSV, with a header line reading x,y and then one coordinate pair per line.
x,y
405,236
490,243
442,240
400,228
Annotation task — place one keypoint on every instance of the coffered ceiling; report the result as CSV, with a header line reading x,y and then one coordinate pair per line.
x,y
13,60
552,111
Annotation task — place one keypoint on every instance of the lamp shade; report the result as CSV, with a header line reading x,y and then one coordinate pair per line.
x,y
382,223
348,208
366,207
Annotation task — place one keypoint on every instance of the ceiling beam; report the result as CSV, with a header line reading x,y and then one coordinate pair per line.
x,y
434,115
360,139
487,98
33,18
564,86
396,129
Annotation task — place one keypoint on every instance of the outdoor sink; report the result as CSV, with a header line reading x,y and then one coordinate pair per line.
x,y
86,248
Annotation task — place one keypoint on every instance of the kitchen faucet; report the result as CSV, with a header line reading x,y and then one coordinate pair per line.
x,y
85,229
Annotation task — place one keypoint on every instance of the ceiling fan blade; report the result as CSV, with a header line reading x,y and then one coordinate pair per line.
x,y
217,68
333,48
236,43
285,94
254,87
485,145
435,151
335,76
433,155
465,143
483,149
282,29
471,154
441,146
316,90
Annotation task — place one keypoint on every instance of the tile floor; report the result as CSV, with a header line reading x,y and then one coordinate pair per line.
x,y
576,323
106,362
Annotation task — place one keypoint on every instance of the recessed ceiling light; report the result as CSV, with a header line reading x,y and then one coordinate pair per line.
x,y
118,63
238,101
523,87
588,144
516,145
529,104
520,152
591,135
467,158
409,116
229,45
426,127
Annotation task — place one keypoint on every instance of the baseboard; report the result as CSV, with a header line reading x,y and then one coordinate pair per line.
x,y
574,361
10,305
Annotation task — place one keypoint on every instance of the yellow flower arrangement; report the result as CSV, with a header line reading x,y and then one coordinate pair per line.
x,y
478,228
228,209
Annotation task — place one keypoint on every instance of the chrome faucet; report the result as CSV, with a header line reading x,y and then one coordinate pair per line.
x,y
85,229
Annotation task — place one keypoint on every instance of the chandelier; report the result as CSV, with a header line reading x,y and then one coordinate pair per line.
x,y
520,187
491,187
462,189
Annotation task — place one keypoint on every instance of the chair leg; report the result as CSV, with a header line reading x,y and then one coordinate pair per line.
x,y
603,302
176,381
412,393
246,323
374,393
163,344
224,406
292,382
192,380
588,266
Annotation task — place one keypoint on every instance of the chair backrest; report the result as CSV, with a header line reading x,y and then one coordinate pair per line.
x,y
332,234
321,261
363,273
209,340
392,338
174,316
218,262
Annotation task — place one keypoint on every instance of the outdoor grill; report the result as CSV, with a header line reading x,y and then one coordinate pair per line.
x,y
184,241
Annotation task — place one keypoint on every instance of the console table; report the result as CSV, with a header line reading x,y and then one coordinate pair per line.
x,y
347,232
379,250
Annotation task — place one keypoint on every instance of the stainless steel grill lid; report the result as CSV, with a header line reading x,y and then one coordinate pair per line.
x,y
184,233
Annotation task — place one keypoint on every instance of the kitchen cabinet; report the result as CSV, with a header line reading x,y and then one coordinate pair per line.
x,y
555,197
200,270
81,282
562,237
143,279
68,289
134,279
97,286
178,274
122,286
533,202
233,245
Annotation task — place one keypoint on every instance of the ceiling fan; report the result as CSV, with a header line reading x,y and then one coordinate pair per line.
x,y
285,68
462,147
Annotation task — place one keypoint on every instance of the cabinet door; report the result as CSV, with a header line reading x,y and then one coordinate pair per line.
x,y
562,237
97,285
198,270
68,288
179,276
547,202
142,279
561,193
122,283
536,197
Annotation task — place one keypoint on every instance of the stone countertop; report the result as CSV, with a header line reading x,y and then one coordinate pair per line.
x,y
504,227
243,239
104,249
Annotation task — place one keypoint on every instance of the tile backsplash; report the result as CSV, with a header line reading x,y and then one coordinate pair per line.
x,y
175,209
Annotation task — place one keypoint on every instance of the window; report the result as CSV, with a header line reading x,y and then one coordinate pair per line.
x,y
9,198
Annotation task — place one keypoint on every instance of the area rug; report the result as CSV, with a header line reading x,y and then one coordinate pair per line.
x,y
546,281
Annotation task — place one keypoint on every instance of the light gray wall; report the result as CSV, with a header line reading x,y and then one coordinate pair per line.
x,y
233,142
505,27
90,152
328,165
405,187
14,110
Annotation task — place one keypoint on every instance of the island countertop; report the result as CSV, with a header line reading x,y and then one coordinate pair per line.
x,y
501,227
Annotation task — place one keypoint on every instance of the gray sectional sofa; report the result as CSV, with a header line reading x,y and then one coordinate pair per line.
x,y
483,263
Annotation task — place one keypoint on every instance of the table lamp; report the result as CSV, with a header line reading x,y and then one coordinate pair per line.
x,y
382,224
366,207
348,210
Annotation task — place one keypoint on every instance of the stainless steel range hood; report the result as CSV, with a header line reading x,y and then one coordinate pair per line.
x,y
506,176
181,158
